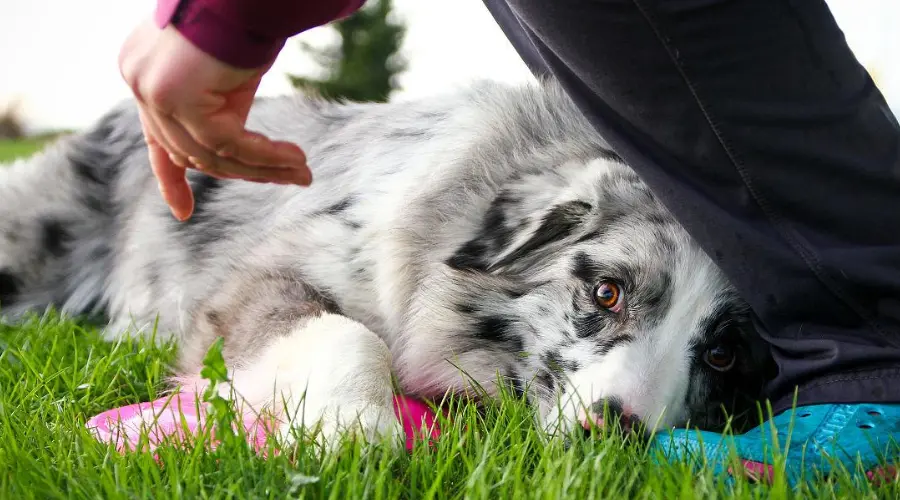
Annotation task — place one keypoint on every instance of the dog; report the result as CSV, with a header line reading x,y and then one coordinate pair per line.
x,y
483,239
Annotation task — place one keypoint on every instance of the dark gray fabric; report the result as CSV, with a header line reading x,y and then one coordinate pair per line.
x,y
755,124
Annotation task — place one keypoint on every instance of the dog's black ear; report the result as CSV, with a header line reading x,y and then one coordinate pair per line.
x,y
505,238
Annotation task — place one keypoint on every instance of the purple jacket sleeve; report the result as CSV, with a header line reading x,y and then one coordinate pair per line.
x,y
248,33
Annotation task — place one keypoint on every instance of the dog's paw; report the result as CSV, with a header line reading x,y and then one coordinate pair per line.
x,y
330,377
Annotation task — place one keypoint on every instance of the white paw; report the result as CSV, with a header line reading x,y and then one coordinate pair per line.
x,y
329,377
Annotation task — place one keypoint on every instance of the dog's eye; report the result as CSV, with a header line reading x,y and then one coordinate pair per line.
x,y
608,295
720,358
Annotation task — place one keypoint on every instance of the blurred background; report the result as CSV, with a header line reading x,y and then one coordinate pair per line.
x,y
59,69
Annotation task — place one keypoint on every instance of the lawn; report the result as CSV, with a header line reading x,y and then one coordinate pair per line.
x,y
55,374
10,150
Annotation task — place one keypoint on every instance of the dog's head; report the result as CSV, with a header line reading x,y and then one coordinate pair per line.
x,y
607,302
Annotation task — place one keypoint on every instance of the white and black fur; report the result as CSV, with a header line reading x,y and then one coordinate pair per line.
x,y
468,231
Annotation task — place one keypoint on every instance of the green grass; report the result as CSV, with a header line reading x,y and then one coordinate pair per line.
x,y
55,374
11,150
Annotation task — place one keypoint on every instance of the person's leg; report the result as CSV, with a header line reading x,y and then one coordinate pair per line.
x,y
755,124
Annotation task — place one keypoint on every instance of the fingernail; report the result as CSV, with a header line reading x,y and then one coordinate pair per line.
x,y
176,160
304,178
226,151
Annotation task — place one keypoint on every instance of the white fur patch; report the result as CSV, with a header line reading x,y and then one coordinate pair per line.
x,y
333,375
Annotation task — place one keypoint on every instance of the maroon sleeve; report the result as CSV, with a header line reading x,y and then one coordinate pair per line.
x,y
248,33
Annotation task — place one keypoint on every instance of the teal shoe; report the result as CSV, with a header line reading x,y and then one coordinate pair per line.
x,y
812,441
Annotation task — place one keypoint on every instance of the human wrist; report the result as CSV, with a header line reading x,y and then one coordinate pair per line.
x,y
217,35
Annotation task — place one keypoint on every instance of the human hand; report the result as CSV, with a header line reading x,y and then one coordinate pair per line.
x,y
193,110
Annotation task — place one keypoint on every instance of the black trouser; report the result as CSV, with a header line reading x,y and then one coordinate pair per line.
x,y
755,124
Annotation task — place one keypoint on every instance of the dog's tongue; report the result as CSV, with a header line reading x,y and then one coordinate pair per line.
x,y
175,416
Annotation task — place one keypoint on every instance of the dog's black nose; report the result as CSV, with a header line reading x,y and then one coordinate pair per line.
x,y
611,414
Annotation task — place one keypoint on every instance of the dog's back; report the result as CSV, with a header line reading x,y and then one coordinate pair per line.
x,y
85,230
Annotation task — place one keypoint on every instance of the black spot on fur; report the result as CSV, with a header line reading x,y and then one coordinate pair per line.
x,y
492,238
558,223
608,344
54,237
518,385
493,329
205,188
545,381
557,364
584,268
465,308
205,226
9,288
611,404
589,324
95,158
497,330
87,172
495,235
470,256
327,300
215,320
339,207
495,224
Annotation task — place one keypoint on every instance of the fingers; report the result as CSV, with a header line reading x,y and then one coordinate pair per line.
x,y
218,144
173,183
226,164
224,134
171,177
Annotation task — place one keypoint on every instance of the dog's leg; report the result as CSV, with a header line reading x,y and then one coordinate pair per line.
x,y
291,355
332,374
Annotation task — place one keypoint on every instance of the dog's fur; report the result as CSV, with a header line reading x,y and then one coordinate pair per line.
x,y
467,231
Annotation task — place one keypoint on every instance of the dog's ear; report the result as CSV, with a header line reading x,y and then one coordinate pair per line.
x,y
507,236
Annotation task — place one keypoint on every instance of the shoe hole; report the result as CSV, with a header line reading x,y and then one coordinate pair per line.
x,y
866,426
804,414
874,413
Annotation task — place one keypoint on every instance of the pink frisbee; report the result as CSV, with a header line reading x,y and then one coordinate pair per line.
x,y
172,418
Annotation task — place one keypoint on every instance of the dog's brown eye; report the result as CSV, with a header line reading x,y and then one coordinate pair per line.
x,y
608,295
720,358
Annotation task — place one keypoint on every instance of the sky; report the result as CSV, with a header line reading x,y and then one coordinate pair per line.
x,y
59,56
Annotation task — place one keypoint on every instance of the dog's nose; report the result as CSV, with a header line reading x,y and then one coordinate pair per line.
x,y
609,414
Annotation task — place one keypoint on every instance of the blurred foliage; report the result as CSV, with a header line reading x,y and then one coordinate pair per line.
x,y
364,64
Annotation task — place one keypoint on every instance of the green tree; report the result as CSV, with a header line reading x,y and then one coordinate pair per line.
x,y
364,64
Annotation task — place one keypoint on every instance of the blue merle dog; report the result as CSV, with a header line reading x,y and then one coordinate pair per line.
x,y
469,240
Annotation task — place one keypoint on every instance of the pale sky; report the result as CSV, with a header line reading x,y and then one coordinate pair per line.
x,y
59,56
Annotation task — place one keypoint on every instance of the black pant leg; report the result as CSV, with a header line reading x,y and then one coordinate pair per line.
x,y
755,124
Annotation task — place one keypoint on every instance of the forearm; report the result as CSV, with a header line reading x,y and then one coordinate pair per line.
x,y
248,33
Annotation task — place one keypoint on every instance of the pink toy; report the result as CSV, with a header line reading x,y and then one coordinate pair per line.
x,y
171,416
